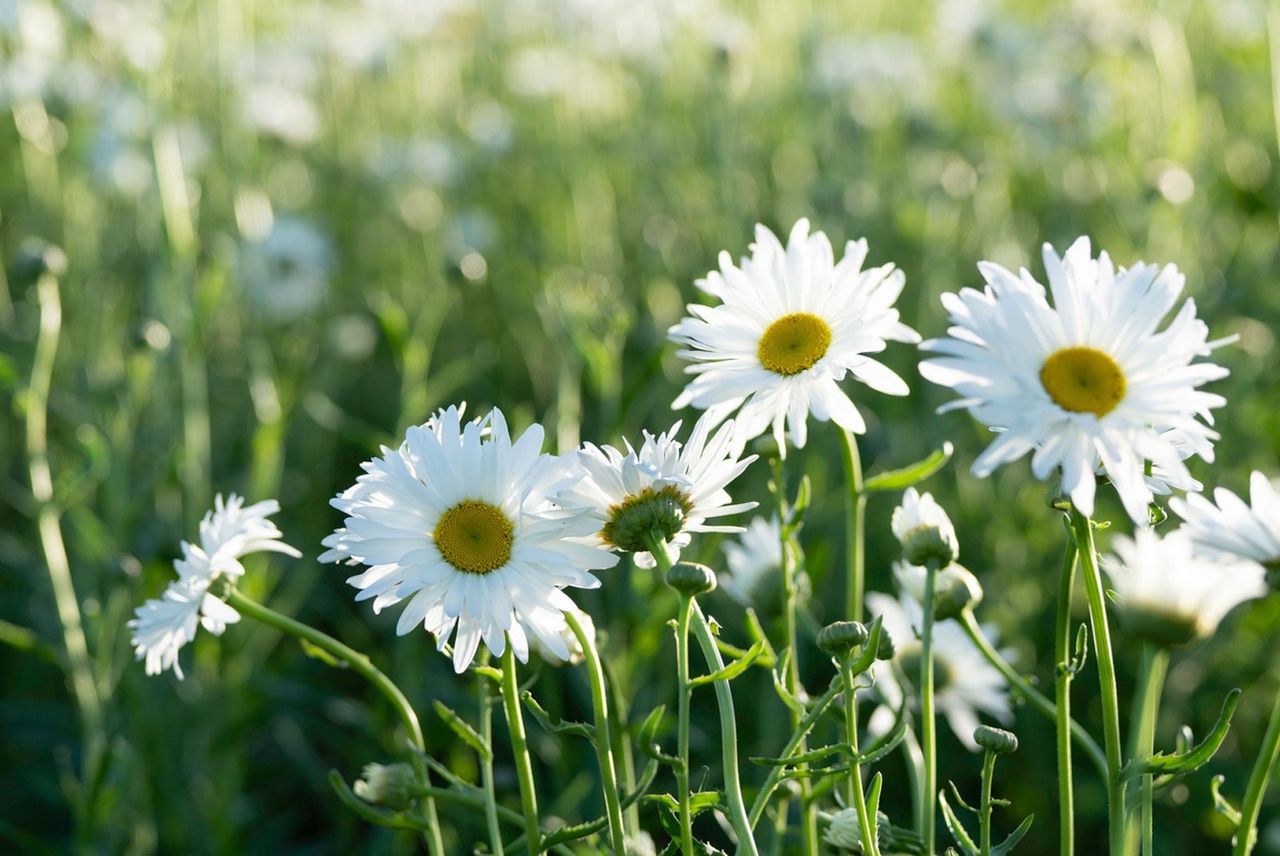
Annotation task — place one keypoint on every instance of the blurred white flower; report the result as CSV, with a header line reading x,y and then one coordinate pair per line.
x,y
162,626
463,527
1083,382
666,487
791,324
1232,529
844,833
287,273
754,559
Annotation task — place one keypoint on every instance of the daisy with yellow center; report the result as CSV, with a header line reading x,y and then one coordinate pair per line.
x,y
791,324
1089,383
461,525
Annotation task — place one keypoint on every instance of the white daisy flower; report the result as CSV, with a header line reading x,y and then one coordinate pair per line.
x,y
1086,382
753,559
1232,529
965,684
924,530
462,525
1170,596
665,487
163,625
790,325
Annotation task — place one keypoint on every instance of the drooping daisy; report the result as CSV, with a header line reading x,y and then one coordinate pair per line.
x,y
924,530
463,527
1087,381
1233,530
1169,595
665,487
163,625
965,684
753,559
790,325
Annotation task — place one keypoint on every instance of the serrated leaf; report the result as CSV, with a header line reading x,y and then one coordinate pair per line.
x,y
1011,842
313,650
911,474
581,729
733,669
958,833
1181,763
460,727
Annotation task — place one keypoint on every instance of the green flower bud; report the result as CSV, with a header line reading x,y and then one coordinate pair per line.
x,y
691,579
996,739
390,786
955,590
927,545
661,511
886,650
841,637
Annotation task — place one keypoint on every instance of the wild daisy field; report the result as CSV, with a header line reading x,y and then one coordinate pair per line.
x,y
665,427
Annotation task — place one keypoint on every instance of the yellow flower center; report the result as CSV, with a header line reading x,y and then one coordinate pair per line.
x,y
1083,380
475,537
794,343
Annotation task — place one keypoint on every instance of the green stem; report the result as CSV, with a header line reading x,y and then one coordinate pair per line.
x,y
1037,699
520,749
856,797
1247,831
928,723
486,770
855,514
603,739
682,680
1146,707
811,718
984,809
1066,727
1082,528
915,771
364,667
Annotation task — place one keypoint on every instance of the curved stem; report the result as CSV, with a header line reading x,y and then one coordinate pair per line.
x,y
603,737
364,667
1247,830
856,797
1082,528
1035,697
855,514
520,749
984,808
486,769
1146,707
928,723
816,710
682,751
1065,726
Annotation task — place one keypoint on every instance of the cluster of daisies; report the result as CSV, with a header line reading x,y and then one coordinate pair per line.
x,y
479,535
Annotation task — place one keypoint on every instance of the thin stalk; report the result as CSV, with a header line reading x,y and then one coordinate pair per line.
x,y
486,769
984,808
364,667
915,772
520,749
811,718
1146,707
682,751
1066,727
856,797
1074,730
1082,528
1247,830
855,515
928,722
603,741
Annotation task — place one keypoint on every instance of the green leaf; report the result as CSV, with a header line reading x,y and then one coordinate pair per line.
x,y
704,800
313,650
1220,803
889,741
780,683
804,494
468,734
581,729
873,797
733,669
1011,842
958,833
1181,763
806,758
912,473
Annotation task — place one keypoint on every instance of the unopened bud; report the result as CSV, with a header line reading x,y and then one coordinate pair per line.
x,y
996,739
690,578
886,650
955,588
841,637
844,832
390,786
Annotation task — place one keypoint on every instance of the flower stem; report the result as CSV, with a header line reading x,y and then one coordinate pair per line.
x,y
855,514
520,749
1066,727
486,770
928,724
1073,731
984,808
816,709
1155,664
1082,528
364,667
603,737
856,797
1246,831
682,751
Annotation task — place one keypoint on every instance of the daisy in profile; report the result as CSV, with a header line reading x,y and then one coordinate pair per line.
x,y
163,625
665,489
791,324
1169,596
754,559
461,526
965,684
1087,382
1232,529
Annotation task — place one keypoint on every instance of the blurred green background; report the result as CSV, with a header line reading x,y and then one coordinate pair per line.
x,y
293,229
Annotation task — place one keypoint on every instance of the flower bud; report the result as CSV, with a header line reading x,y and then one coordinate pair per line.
x,y
996,739
390,786
691,579
659,510
955,588
844,832
841,637
886,649
924,531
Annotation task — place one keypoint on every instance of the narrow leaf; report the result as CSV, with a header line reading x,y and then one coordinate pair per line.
x,y
468,734
581,729
1011,842
313,650
912,473
958,833
733,669
1184,762
1220,803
